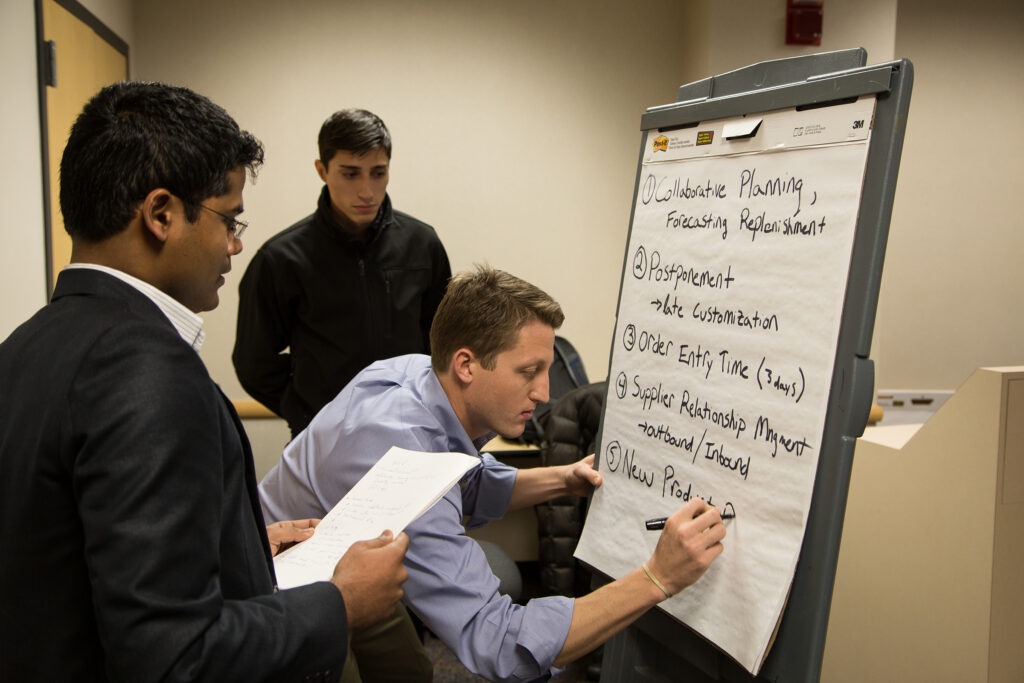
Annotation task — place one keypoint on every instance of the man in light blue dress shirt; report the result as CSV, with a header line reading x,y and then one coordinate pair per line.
x,y
492,343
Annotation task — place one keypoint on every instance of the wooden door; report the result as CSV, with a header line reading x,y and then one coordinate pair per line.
x,y
80,56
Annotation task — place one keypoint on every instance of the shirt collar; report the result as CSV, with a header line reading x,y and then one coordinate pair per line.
x,y
188,324
326,210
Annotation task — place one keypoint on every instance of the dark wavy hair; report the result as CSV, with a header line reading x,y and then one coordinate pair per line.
x,y
483,310
352,130
134,137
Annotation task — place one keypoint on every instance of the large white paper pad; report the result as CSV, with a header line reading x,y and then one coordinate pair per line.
x,y
729,315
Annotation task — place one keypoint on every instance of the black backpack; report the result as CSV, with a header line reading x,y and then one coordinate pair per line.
x,y
566,374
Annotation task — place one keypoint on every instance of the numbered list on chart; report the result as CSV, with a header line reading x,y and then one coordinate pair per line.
x,y
729,312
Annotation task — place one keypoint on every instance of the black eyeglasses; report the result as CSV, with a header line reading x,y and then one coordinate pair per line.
x,y
234,226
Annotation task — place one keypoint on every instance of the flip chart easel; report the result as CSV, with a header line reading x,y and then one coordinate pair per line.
x,y
858,164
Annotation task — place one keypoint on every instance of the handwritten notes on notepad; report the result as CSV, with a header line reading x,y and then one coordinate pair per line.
x,y
399,488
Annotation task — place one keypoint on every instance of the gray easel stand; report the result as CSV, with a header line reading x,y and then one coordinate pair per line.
x,y
657,647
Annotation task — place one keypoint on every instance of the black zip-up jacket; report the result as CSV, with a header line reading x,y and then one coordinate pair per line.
x,y
316,307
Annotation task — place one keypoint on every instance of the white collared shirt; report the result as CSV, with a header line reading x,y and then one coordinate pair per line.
x,y
188,324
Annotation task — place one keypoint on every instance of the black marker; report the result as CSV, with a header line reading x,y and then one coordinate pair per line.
x,y
658,523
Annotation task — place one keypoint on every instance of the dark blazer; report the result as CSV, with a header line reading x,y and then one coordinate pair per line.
x,y
133,543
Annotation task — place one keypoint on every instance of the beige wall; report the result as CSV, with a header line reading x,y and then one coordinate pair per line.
x,y
22,257
742,32
949,300
516,136
22,247
951,289
516,125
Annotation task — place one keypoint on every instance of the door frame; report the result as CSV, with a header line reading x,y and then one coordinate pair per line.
x,y
45,75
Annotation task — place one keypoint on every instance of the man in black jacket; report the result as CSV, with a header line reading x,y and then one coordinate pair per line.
x,y
354,282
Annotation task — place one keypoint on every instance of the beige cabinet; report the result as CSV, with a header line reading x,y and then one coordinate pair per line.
x,y
930,581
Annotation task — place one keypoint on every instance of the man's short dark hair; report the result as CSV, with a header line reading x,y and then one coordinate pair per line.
x,y
356,131
132,138
483,310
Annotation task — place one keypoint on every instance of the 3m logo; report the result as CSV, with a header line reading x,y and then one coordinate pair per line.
x,y
660,144
858,124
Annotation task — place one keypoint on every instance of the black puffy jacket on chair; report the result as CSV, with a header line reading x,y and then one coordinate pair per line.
x,y
570,429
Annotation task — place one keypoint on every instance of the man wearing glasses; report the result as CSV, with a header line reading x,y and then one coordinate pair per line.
x,y
134,545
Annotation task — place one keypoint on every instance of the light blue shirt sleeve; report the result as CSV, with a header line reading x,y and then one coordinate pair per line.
x,y
453,590
487,491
